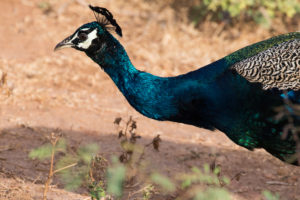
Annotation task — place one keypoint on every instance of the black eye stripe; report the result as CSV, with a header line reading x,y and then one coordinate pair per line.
x,y
75,41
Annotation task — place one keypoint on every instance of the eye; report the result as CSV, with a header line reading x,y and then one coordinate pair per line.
x,y
82,36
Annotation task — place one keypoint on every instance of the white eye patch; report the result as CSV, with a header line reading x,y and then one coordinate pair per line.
x,y
87,43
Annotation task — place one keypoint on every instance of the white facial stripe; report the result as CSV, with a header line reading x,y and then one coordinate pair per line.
x,y
85,29
74,37
86,44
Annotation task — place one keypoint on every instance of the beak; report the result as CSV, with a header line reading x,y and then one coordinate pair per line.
x,y
66,43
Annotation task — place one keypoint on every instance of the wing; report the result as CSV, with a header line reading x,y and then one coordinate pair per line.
x,y
275,67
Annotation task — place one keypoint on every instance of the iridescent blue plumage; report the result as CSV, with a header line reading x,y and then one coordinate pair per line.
x,y
214,97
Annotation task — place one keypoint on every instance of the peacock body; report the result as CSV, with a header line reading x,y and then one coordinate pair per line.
x,y
237,94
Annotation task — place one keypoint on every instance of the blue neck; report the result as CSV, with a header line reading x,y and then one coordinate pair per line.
x,y
170,98
156,97
116,63
147,93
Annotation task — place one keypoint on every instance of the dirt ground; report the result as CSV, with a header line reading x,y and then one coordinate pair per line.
x,y
45,90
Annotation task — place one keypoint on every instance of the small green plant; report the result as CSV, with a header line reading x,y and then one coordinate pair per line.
x,y
270,196
48,151
206,176
115,178
77,176
212,194
45,151
205,184
97,191
65,166
164,182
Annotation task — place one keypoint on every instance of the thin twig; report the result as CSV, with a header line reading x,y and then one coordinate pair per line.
x,y
66,167
276,183
50,171
127,125
53,139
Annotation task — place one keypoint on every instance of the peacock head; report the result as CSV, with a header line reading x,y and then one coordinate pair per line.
x,y
92,37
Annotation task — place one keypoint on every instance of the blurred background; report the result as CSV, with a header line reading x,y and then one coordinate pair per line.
x,y
42,90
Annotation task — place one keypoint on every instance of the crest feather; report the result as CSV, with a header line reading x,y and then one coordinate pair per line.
x,y
106,19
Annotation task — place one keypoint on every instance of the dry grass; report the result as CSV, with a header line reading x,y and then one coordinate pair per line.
x,y
18,189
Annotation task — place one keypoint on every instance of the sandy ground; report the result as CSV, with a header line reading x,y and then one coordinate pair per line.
x,y
46,90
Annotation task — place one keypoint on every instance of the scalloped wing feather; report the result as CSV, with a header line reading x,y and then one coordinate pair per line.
x,y
275,67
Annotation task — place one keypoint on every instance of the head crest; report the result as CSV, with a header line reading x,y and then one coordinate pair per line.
x,y
106,19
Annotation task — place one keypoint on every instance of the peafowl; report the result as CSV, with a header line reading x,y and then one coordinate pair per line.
x,y
238,94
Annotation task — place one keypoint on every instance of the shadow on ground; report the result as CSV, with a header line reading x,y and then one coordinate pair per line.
x,y
173,158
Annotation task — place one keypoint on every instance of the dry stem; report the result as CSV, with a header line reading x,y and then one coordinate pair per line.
x,y
54,139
